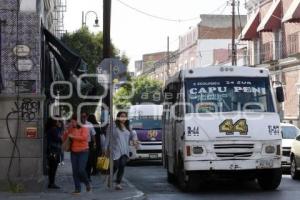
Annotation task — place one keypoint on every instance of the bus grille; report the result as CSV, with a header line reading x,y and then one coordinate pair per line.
x,y
234,150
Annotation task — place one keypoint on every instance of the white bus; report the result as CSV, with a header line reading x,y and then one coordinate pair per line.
x,y
222,121
146,121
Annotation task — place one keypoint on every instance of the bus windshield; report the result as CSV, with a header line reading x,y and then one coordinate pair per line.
x,y
228,94
146,123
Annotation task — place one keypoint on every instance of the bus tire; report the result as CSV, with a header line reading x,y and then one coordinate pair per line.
x,y
171,177
295,174
269,179
185,182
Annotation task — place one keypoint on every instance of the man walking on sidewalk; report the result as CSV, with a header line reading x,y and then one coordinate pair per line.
x,y
91,141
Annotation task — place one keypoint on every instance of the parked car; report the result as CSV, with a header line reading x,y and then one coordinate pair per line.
x,y
289,133
295,158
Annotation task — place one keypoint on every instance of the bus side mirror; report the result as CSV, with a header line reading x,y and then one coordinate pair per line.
x,y
280,94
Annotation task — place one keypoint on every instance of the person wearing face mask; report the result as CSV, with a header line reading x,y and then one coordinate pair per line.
x,y
79,153
120,139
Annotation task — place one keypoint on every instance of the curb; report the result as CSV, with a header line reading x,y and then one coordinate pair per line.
x,y
139,194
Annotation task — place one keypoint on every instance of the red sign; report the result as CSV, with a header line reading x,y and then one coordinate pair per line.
x,y
31,132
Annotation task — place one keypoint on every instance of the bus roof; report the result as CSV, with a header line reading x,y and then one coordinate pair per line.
x,y
145,110
219,71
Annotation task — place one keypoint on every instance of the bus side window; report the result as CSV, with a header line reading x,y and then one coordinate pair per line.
x,y
179,109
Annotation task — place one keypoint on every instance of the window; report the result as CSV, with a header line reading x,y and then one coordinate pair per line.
x,y
228,94
289,132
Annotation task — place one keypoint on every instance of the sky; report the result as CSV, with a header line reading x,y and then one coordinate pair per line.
x,y
135,33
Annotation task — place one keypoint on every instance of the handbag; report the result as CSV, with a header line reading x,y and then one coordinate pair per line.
x,y
67,145
103,163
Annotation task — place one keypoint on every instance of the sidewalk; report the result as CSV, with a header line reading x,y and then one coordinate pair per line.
x,y
65,181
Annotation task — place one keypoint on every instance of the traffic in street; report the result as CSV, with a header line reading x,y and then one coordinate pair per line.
x,y
151,178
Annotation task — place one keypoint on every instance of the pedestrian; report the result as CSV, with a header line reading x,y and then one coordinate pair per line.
x,y
61,131
54,147
91,142
120,139
99,139
79,153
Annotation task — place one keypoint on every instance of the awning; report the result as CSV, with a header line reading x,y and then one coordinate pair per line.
x,y
272,20
250,30
70,64
293,13
67,59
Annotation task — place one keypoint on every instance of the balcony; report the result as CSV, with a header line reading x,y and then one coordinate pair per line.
x,y
271,51
293,44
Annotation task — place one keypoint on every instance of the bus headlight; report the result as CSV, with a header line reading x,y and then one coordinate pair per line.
x,y
198,150
270,149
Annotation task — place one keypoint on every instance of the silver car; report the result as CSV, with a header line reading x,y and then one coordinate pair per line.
x,y
295,158
289,133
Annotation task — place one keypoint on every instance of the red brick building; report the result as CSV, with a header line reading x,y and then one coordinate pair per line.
x,y
273,31
214,32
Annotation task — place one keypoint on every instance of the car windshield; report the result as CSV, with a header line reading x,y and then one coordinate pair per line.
x,y
228,94
289,132
146,124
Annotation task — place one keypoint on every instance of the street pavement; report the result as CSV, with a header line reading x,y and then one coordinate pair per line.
x,y
150,177
64,179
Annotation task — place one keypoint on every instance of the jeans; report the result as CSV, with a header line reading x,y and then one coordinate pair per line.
x,y
62,156
53,160
119,165
79,161
91,160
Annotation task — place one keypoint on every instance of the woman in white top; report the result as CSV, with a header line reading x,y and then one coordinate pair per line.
x,y
121,137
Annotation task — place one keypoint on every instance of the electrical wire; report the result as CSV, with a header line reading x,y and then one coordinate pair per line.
x,y
222,6
155,16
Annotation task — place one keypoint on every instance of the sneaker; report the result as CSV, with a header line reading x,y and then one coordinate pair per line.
x,y
76,192
119,187
53,186
62,163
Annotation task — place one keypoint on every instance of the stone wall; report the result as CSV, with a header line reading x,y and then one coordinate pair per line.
x,y
25,103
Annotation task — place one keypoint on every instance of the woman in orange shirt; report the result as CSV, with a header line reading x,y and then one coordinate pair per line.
x,y
79,153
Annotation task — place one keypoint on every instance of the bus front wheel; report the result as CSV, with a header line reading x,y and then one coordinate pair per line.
x,y
171,176
269,179
185,182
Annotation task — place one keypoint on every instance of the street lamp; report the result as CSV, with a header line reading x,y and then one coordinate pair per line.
x,y
84,16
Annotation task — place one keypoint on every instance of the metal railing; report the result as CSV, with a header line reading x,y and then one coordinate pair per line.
x,y
293,44
271,51
266,52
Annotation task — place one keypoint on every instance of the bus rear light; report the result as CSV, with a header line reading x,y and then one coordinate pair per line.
x,y
188,150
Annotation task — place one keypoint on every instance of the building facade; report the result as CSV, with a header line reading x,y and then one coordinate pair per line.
x,y
210,42
22,97
155,65
272,32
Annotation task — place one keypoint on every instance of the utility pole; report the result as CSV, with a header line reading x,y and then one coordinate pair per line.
x,y
233,35
108,99
82,19
106,28
168,59
106,39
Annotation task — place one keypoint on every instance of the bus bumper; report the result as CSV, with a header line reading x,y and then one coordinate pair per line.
x,y
153,152
212,165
